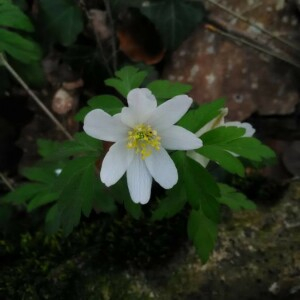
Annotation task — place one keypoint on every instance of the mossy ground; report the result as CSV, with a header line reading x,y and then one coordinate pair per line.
x,y
117,257
40,266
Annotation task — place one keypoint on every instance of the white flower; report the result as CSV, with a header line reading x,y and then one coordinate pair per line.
x,y
214,123
142,133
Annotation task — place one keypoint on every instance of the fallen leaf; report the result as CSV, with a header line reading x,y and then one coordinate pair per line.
x,y
138,38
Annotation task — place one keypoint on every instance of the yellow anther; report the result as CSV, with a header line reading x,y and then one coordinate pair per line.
x,y
143,139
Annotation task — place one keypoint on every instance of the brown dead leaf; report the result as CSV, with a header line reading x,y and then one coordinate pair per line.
x,y
138,38
73,85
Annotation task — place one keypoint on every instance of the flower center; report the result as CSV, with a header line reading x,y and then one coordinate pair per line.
x,y
143,139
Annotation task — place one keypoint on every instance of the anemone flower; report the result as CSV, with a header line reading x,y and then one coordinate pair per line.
x,y
141,134
214,123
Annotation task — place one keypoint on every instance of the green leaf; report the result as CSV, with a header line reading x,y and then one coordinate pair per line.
x,y
73,169
203,232
18,47
12,16
171,205
36,194
249,148
195,119
221,135
63,20
41,199
39,174
223,158
110,104
165,89
47,147
104,202
22,49
127,79
78,189
200,184
132,208
201,188
121,194
32,73
233,199
174,19
82,144
23,193
53,219
82,113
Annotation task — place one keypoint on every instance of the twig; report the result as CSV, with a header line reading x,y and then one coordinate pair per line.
x,y
255,46
34,97
113,40
6,181
98,41
244,19
251,8
291,225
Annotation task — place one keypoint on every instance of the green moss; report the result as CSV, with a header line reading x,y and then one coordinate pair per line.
x,y
40,266
121,258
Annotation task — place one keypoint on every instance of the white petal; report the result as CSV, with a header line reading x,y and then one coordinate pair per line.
x,y
115,163
162,168
249,128
117,116
178,138
203,161
129,117
100,125
208,126
142,102
214,123
139,181
170,112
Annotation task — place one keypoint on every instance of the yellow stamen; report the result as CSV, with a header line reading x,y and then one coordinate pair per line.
x,y
143,139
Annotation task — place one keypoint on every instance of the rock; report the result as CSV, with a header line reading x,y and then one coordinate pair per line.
x,y
291,158
99,23
257,258
64,101
250,81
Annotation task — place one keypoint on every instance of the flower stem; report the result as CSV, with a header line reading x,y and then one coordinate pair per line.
x,y
11,70
6,181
